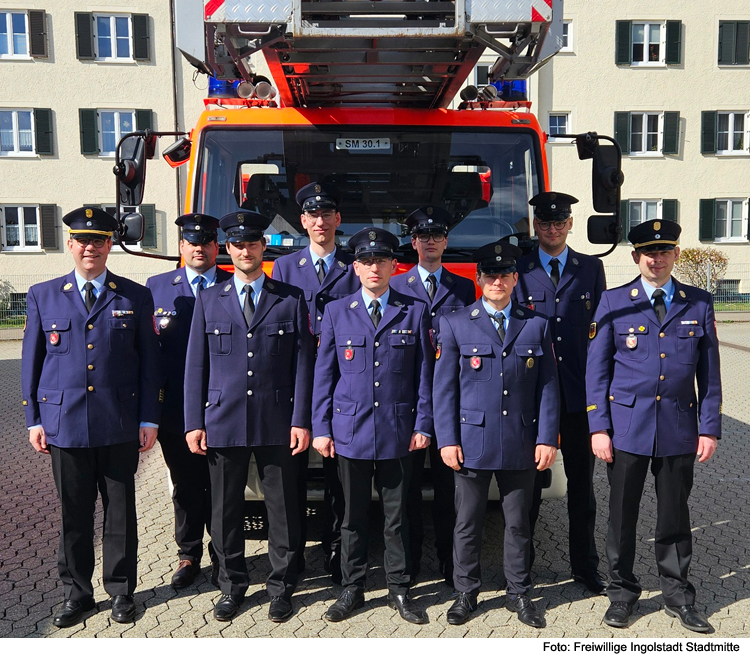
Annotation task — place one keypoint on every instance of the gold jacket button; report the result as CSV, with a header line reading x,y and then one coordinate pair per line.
x,y
91,388
90,367
661,335
663,355
90,346
90,326
658,397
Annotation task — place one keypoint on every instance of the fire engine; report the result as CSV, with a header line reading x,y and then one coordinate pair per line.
x,y
359,97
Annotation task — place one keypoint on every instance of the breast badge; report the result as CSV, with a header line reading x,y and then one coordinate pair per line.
x,y
631,342
54,338
438,351
529,363
476,362
592,330
349,353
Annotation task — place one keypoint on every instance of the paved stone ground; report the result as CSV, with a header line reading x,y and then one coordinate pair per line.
x,y
30,591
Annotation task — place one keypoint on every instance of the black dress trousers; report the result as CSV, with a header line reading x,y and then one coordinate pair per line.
x,y
191,495
673,543
79,474
392,484
228,467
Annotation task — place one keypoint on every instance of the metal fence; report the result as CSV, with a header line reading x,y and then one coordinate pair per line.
x,y
733,293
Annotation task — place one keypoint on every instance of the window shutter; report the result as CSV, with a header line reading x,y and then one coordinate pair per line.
x,y
48,224
707,223
625,218
669,209
674,42
84,36
141,37
742,43
89,132
622,130
144,119
726,42
671,144
624,45
43,132
149,224
38,34
708,132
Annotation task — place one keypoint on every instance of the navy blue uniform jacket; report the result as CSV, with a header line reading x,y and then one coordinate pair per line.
x,y
496,400
298,269
641,375
373,387
90,378
570,309
174,303
249,387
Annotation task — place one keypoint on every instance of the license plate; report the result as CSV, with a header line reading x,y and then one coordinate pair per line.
x,y
363,144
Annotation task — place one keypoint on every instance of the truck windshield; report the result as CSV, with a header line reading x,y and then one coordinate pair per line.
x,y
483,177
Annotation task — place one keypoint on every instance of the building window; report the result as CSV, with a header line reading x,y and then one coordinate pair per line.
x,y
16,133
636,211
14,35
148,211
646,44
731,220
734,42
649,44
567,37
112,37
645,133
730,133
559,123
20,227
113,125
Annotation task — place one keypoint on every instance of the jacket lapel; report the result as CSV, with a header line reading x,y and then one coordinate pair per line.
x,y
338,268
72,293
571,268
111,286
679,303
182,286
515,326
230,301
394,309
482,321
642,302
268,297
445,287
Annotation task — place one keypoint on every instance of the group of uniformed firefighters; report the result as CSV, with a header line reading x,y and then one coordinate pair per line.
x,y
375,372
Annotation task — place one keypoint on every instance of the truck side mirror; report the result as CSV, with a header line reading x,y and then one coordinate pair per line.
x,y
133,228
131,170
604,230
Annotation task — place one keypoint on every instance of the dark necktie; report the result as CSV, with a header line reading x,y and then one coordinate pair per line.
x,y
499,317
660,307
431,286
249,309
200,285
554,273
89,299
321,270
375,314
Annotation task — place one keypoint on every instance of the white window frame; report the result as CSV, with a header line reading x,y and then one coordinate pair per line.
x,y
742,237
113,37
642,203
645,62
17,152
745,150
22,247
567,26
111,208
568,128
5,16
660,134
118,133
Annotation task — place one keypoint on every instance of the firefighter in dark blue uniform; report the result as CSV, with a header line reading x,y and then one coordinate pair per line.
x,y
91,377
324,273
174,300
444,292
566,286
371,408
248,380
652,341
496,402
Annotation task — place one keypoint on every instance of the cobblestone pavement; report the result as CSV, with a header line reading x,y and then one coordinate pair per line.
x,y
30,591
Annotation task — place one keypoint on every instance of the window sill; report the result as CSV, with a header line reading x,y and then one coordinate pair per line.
x,y
732,241
648,156
23,250
25,156
22,58
648,65
562,142
733,153
115,61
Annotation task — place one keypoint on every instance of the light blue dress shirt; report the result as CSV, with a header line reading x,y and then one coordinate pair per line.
x,y
545,258
257,286
192,276
424,274
491,311
668,290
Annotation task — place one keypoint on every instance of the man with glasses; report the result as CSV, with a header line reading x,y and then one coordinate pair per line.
x,y
566,286
91,375
496,402
371,409
174,300
248,380
653,341
324,273
444,292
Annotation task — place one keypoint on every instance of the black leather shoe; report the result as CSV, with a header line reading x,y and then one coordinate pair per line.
x,y
215,572
349,601
123,609
618,614
526,610
226,607
280,609
593,582
406,608
689,618
462,608
72,611
446,571
185,574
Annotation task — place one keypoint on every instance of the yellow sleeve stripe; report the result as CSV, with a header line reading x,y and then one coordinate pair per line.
x,y
591,408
